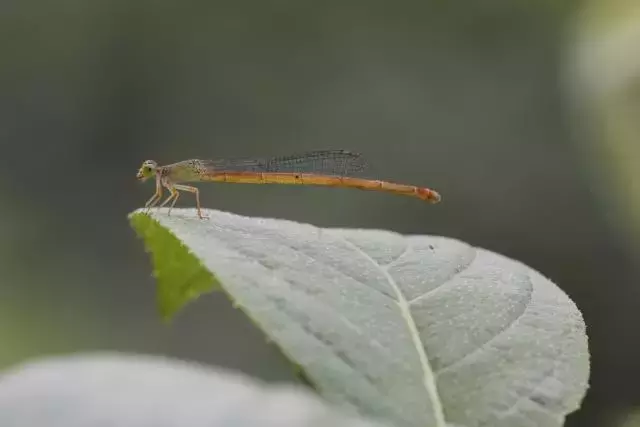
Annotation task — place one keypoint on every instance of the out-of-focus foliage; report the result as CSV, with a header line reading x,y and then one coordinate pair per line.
x,y
628,419
605,70
123,390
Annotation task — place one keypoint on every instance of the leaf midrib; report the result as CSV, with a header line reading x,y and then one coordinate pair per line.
x,y
429,380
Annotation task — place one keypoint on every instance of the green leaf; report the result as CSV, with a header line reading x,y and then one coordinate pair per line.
x,y
180,275
120,390
418,330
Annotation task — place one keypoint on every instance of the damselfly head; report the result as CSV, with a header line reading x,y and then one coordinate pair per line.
x,y
147,170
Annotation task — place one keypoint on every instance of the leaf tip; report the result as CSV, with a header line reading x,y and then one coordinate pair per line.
x,y
179,274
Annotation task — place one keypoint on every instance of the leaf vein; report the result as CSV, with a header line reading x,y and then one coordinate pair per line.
x,y
319,337
325,265
548,374
448,280
429,380
347,322
498,334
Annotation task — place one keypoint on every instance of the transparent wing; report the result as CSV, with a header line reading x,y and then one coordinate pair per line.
x,y
328,162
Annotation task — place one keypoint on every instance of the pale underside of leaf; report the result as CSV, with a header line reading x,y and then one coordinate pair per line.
x,y
419,330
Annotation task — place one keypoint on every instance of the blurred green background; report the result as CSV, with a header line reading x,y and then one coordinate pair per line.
x,y
524,115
